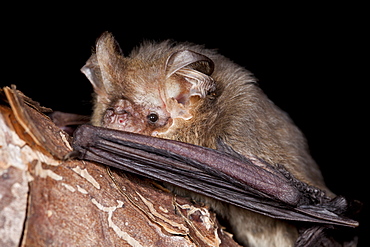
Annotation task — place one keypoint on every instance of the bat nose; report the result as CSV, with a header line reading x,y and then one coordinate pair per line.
x,y
121,112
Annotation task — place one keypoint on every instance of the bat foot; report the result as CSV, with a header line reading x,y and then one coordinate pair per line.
x,y
159,186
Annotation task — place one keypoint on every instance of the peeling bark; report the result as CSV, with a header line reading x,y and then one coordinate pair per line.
x,y
48,201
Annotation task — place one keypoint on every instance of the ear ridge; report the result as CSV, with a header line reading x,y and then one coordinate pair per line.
x,y
201,83
180,59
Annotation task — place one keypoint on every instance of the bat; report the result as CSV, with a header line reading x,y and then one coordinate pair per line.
x,y
193,119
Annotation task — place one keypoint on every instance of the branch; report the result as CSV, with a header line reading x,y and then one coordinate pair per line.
x,y
45,200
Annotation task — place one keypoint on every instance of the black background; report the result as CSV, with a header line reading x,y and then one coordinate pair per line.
x,y
310,60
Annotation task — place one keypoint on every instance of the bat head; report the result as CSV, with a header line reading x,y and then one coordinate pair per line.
x,y
151,92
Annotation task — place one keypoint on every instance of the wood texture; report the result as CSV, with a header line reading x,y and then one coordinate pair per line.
x,y
48,201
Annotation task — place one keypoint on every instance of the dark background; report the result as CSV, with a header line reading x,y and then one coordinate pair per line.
x,y
310,60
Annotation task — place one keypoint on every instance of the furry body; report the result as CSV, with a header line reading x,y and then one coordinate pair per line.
x,y
198,96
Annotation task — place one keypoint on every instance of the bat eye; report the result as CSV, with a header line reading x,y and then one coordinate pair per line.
x,y
152,117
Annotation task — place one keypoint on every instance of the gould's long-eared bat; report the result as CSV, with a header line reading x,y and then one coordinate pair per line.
x,y
216,137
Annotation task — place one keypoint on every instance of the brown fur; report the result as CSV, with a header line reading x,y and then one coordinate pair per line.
x,y
235,111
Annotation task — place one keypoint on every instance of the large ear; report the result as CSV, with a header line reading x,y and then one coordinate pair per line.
x,y
195,68
101,66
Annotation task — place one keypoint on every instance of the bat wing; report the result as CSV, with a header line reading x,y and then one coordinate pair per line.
x,y
68,121
246,182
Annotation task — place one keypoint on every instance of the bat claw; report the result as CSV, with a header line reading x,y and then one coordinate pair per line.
x,y
72,155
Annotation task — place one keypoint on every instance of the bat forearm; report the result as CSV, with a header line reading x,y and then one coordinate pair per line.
x,y
194,168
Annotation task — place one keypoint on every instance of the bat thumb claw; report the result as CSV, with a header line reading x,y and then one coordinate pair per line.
x,y
72,155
